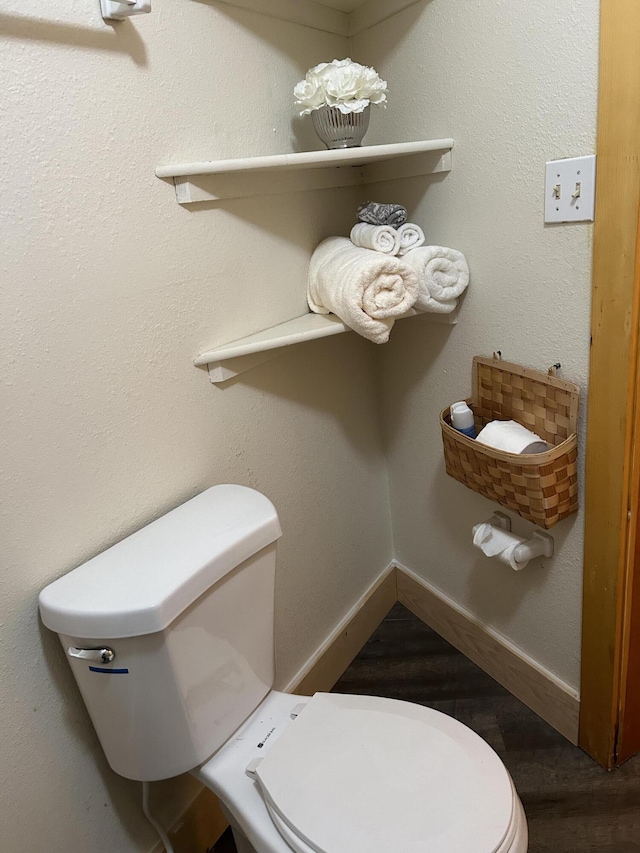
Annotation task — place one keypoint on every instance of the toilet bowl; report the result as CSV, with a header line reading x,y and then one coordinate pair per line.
x,y
346,774
170,636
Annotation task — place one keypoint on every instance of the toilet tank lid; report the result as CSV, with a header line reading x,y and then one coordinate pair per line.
x,y
141,584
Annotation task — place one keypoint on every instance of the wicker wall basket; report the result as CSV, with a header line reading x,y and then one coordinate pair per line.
x,y
542,487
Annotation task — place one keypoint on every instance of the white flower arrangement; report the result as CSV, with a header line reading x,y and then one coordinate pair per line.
x,y
343,84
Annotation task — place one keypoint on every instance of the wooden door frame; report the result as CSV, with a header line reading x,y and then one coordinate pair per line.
x,y
627,741
611,606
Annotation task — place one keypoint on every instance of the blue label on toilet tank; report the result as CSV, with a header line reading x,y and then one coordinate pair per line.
x,y
110,671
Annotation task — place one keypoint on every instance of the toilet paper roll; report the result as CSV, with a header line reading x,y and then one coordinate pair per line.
x,y
495,542
508,556
511,437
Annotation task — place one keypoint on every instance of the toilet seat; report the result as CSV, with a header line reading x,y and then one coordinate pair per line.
x,y
515,841
363,774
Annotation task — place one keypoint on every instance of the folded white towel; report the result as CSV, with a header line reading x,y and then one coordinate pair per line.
x,y
366,289
380,238
443,274
411,236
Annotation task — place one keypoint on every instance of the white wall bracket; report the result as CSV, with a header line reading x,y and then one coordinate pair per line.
x,y
540,545
118,10
499,519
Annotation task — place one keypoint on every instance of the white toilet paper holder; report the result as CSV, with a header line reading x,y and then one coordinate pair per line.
x,y
498,519
540,545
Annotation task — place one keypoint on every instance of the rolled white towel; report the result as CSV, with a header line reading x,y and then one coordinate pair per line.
x,y
380,238
366,289
443,274
431,306
411,236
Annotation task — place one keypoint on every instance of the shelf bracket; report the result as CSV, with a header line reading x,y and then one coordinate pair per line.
x,y
223,371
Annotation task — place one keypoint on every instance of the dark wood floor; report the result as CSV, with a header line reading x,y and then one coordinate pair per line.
x,y
572,805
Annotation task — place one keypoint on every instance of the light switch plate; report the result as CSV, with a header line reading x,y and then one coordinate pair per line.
x,y
570,190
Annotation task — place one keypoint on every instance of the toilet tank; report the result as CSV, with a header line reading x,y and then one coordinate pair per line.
x,y
186,605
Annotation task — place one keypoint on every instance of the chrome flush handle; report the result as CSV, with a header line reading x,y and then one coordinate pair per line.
x,y
102,654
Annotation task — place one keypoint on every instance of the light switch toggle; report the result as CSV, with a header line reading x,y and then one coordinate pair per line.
x,y
556,191
578,190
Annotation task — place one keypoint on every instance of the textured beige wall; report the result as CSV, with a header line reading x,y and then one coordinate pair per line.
x,y
514,84
109,289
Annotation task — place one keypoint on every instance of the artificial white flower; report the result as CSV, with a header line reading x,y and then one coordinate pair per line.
x,y
310,93
344,84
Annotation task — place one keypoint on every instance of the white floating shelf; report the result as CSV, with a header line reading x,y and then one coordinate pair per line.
x,y
281,173
234,358
306,159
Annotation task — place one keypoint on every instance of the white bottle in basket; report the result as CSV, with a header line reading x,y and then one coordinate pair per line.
x,y
462,419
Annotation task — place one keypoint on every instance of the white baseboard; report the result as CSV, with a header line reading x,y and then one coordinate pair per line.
x,y
536,687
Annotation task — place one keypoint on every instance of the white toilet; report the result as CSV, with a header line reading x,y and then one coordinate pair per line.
x,y
170,637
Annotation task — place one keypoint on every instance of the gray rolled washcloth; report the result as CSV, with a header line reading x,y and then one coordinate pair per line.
x,y
375,213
